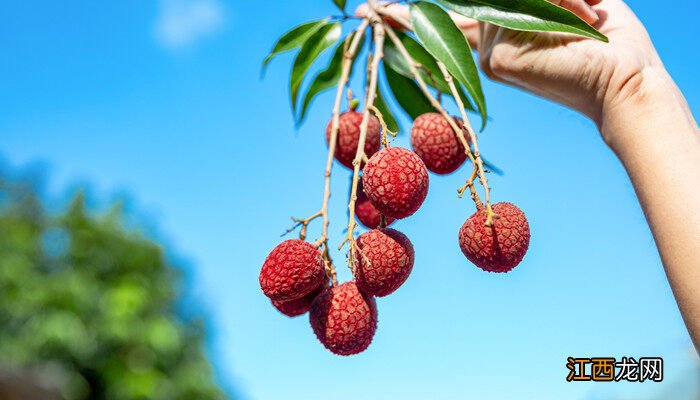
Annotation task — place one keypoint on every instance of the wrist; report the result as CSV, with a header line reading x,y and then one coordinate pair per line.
x,y
645,102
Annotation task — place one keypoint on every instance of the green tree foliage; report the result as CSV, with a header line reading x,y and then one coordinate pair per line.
x,y
94,304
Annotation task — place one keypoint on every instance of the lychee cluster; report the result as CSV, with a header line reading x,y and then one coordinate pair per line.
x,y
495,243
343,317
388,184
295,277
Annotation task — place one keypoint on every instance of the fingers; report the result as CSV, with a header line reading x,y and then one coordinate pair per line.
x,y
361,10
399,12
581,8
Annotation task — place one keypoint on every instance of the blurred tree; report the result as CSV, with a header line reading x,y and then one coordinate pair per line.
x,y
93,306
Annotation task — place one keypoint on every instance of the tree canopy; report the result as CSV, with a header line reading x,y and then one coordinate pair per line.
x,y
94,305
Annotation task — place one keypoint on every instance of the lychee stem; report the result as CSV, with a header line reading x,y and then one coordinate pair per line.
x,y
385,129
473,157
370,96
437,103
476,157
348,58
470,184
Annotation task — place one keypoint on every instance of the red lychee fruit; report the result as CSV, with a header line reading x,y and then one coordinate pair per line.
x,y
368,215
396,182
500,247
385,263
344,319
349,136
292,270
436,143
300,306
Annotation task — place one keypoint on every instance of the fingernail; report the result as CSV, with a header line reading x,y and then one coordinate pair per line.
x,y
591,15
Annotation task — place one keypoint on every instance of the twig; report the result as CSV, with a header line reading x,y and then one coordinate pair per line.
x,y
385,129
373,71
304,223
490,215
433,101
348,57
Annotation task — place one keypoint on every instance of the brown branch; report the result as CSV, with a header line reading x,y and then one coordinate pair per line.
x,y
348,57
479,164
360,156
433,101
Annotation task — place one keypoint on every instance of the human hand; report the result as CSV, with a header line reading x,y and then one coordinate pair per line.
x,y
587,75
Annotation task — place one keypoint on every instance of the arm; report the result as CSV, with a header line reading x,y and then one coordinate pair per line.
x,y
641,114
655,136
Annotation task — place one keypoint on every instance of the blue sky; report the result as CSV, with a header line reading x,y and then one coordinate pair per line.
x,y
161,100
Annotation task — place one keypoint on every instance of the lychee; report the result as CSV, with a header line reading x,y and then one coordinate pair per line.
x,y
367,213
292,270
499,247
385,262
436,143
396,182
344,319
295,308
349,136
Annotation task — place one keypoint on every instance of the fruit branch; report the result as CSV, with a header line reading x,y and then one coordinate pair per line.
x,y
434,102
373,72
386,132
348,58
470,186
476,156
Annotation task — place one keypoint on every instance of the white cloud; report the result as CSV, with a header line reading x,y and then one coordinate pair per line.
x,y
183,23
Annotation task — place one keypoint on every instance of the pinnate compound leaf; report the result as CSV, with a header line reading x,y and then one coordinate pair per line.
x,y
328,78
524,15
324,38
429,70
446,42
407,94
294,39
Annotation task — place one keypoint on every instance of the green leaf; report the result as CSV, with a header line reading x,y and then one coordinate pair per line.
x,y
329,77
388,116
524,15
446,42
407,94
429,70
312,48
325,80
492,167
340,4
294,39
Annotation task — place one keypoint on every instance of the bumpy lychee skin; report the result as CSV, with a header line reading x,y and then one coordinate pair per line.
x,y
349,136
396,182
385,263
300,306
436,143
366,212
292,270
500,247
344,319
